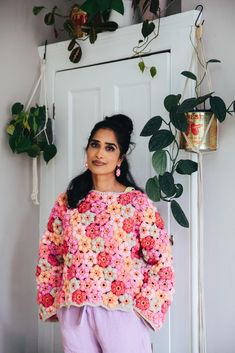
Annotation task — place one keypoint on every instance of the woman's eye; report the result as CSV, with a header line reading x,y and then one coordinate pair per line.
x,y
109,148
94,144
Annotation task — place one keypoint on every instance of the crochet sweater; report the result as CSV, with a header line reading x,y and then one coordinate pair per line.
x,y
110,251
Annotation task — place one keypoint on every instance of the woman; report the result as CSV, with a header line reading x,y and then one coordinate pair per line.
x,y
105,263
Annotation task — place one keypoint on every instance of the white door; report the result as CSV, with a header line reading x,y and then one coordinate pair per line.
x,y
84,96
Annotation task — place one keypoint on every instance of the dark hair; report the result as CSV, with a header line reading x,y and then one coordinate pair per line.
x,y
122,127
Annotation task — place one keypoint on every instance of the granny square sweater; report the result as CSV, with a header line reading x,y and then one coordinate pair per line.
x,y
110,251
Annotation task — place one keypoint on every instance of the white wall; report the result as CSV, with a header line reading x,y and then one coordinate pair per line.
x,y
219,171
20,35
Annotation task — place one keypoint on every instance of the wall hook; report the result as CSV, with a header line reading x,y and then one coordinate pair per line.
x,y
200,12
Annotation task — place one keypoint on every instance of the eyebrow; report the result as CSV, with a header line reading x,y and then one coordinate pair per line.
x,y
107,143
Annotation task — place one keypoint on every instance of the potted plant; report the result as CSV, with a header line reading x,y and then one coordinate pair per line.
x,y
83,22
164,143
30,132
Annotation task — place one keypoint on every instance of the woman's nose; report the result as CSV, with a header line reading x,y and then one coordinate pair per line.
x,y
99,153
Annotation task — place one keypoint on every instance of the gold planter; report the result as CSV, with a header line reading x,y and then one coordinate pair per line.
x,y
197,125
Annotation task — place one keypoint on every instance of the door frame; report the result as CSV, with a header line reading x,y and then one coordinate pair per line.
x,y
174,37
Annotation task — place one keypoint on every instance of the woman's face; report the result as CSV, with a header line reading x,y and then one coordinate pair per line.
x,y
103,152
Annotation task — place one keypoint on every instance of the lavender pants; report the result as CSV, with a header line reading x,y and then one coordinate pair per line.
x,y
97,330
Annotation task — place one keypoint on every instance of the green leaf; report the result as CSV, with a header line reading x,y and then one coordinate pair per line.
x,y
178,119
33,123
213,61
147,28
110,26
49,19
159,160
167,184
153,71
152,126
179,214
92,35
171,101
49,152
178,190
202,99
91,7
76,55
17,108
153,189
71,44
118,6
37,9
218,107
189,74
160,140
10,129
186,166
141,66
187,105
23,144
33,151
69,27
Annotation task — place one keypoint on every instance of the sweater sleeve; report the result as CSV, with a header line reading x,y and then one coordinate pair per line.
x,y
50,262
157,289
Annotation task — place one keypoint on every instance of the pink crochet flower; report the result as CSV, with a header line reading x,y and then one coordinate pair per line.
x,y
128,224
118,287
142,303
92,230
103,259
79,296
47,300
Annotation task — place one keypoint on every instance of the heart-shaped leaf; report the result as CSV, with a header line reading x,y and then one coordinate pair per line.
x,y
218,107
179,214
189,74
152,126
178,119
141,66
167,185
37,9
147,28
49,152
49,19
178,190
187,105
160,140
171,101
186,166
153,71
153,189
17,108
159,160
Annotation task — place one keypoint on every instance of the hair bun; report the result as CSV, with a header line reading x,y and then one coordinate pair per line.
x,y
122,121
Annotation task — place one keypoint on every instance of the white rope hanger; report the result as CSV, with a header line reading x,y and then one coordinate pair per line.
x,y
43,93
199,52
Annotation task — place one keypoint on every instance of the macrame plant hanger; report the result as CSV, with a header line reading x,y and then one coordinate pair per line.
x,y
199,55
43,96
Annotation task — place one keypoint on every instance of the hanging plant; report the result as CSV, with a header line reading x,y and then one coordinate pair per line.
x,y
30,132
165,146
82,22
150,11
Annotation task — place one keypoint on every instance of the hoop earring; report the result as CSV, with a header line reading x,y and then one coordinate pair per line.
x,y
118,172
